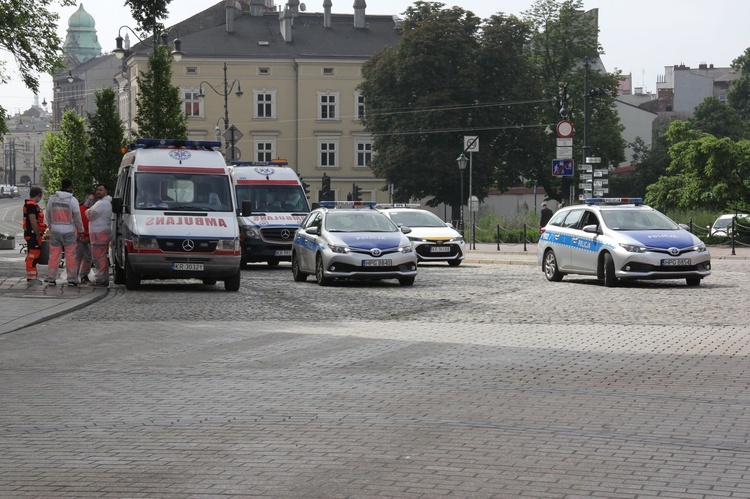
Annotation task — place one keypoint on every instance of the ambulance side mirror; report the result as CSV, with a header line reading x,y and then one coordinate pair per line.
x,y
117,206
247,208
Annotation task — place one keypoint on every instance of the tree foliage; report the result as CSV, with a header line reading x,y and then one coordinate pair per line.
x,y
63,154
705,172
147,13
718,119
106,138
453,75
159,112
28,31
738,95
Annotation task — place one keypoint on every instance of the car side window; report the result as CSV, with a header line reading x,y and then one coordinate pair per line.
x,y
557,219
571,221
310,221
589,218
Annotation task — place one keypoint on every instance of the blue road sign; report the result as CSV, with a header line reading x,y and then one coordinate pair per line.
x,y
562,167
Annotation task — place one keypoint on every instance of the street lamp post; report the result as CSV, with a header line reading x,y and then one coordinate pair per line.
x,y
227,90
462,160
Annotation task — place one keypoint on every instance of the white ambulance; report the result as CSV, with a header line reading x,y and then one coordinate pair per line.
x,y
174,215
273,202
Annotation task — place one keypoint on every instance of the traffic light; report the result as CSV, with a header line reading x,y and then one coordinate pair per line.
x,y
325,193
348,196
356,193
306,187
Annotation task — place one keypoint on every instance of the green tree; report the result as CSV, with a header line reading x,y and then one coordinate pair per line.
x,y
650,162
718,119
705,172
63,155
159,112
420,96
28,31
106,138
738,95
147,13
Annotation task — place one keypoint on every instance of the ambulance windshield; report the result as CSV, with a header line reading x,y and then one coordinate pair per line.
x,y
274,198
176,191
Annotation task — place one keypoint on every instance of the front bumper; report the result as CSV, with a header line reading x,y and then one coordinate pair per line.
x,y
430,251
255,250
351,266
160,265
649,266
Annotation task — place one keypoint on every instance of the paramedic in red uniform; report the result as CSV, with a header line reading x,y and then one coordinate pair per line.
x,y
33,230
100,232
65,228
83,248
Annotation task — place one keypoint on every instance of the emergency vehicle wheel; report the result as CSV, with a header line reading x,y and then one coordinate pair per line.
x,y
322,279
551,272
693,281
119,272
610,279
132,281
298,275
209,282
273,263
233,283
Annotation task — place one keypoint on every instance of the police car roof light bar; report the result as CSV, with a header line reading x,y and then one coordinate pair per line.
x,y
613,201
346,204
165,143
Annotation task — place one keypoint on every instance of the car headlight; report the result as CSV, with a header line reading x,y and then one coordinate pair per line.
x,y
250,232
633,248
145,243
228,245
406,249
415,239
700,248
339,248
457,239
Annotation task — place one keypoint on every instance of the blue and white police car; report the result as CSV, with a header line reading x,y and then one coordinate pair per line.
x,y
620,239
341,240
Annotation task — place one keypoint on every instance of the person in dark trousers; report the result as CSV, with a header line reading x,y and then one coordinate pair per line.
x,y
33,230
545,215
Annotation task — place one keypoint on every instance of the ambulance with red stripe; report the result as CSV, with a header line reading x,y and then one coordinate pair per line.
x,y
273,203
174,215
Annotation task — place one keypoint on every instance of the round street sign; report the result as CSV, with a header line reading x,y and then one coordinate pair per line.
x,y
565,129
233,154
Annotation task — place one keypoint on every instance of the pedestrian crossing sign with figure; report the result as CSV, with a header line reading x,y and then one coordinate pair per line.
x,y
562,167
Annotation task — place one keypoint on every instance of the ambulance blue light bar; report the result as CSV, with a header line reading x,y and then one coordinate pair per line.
x,y
613,200
343,204
188,144
261,163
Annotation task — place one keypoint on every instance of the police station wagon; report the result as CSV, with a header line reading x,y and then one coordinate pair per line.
x,y
620,239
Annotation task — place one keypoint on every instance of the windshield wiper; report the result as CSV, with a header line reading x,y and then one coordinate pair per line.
x,y
192,208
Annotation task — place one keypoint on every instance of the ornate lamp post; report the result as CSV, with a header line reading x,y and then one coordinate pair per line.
x,y
462,161
227,90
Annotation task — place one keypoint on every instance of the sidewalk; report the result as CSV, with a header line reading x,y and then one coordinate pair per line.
x,y
23,304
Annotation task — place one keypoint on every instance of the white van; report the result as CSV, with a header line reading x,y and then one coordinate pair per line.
x,y
273,202
174,215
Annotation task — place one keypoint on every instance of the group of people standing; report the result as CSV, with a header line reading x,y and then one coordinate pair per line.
x,y
81,231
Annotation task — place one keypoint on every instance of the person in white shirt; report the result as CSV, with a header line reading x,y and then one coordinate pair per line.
x,y
100,233
65,228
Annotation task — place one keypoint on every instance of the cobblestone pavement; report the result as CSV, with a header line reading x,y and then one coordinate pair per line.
x,y
479,381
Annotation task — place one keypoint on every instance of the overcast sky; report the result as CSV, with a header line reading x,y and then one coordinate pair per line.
x,y
638,36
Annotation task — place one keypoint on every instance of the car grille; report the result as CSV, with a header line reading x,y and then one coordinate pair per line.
x,y
278,234
345,267
178,246
644,267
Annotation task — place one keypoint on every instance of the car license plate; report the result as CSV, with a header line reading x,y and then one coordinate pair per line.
x,y
440,249
672,262
377,263
282,253
187,266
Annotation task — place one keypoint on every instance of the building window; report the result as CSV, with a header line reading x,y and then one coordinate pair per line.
x,y
327,149
359,106
264,149
265,104
264,71
193,105
327,71
191,71
327,107
364,154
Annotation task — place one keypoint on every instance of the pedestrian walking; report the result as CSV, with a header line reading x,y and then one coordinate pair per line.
x,y
33,230
545,215
100,232
65,228
83,248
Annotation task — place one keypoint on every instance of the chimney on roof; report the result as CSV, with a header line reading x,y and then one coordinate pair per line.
x,y
702,65
257,7
359,14
229,8
294,7
327,4
285,23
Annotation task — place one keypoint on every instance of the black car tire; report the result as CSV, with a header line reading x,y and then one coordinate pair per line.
x,y
319,277
549,265
132,280
610,279
119,277
693,281
298,275
209,282
454,263
406,281
273,263
233,283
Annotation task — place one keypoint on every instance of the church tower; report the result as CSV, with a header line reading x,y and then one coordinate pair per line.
x,y
81,44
